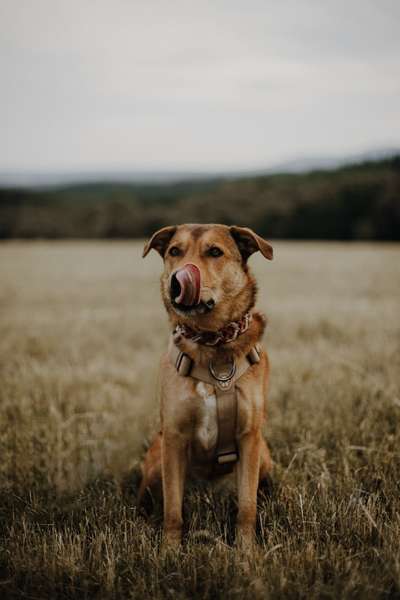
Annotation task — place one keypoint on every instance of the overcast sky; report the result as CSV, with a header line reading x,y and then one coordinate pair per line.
x,y
128,84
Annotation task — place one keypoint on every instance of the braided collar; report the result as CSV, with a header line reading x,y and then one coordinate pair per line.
x,y
228,333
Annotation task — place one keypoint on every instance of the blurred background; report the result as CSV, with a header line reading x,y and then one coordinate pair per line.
x,y
118,118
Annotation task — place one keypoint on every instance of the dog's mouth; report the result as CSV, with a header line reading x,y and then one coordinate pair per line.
x,y
185,291
186,285
201,308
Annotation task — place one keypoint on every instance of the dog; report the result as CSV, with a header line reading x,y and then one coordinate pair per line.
x,y
214,376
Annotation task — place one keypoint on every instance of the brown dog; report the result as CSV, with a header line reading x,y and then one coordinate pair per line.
x,y
214,376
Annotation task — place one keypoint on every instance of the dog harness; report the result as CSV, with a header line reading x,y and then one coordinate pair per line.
x,y
223,378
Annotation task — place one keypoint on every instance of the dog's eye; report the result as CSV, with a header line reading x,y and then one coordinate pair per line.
x,y
214,251
174,251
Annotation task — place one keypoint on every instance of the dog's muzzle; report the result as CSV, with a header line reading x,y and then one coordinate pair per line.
x,y
185,286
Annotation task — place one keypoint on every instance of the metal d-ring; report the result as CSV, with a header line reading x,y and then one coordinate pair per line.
x,y
222,377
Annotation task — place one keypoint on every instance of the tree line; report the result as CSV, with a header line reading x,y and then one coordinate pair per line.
x,y
360,201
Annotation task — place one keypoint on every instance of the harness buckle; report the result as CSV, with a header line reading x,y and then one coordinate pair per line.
x,y
254,355
183,364
222,377
227,457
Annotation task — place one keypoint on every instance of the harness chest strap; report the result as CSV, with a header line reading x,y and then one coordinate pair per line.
x,y
226,395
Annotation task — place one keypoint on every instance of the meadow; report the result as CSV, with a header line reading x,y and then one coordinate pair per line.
x,y
81,331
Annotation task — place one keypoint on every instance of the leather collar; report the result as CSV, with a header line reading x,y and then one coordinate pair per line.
x,y
228,333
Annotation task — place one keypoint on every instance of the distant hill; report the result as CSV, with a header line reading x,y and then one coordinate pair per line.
x,y
356,201
31,179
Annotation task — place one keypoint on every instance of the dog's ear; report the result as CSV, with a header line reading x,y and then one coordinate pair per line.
x,y
160,240
249,242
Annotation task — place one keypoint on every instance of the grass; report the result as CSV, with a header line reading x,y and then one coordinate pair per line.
x,y
80,334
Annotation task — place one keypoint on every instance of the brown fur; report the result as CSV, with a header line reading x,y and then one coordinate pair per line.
x,y
176,451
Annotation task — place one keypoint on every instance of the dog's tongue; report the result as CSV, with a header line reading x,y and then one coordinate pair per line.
x,y
189,280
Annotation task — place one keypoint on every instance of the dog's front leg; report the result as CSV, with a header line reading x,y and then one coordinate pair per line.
x,y
174,461
247,481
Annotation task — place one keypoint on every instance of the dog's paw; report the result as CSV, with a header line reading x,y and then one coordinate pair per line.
x,y
171,543
247,552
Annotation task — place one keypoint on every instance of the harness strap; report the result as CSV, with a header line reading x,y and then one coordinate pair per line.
x,y
224,383
227,451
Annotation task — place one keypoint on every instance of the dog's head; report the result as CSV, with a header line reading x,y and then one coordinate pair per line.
x,y
206,281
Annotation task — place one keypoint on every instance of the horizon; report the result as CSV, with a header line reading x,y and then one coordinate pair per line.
x,y
292,165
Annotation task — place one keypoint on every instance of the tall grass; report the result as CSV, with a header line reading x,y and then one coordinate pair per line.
x,y
81,331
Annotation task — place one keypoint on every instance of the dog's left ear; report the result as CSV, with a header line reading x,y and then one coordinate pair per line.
x,y
249,242
160,240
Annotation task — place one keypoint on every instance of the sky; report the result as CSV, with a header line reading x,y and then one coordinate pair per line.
x,y
221,85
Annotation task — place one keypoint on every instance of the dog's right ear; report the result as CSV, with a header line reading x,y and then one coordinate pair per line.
x,y
160,240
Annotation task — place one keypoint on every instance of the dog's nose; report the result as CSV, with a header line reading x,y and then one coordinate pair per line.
x,y
210,304
186,285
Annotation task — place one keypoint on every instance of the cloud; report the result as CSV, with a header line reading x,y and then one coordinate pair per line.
x,y
194,85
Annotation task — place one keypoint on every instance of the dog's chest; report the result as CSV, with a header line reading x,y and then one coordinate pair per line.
x,y
207,421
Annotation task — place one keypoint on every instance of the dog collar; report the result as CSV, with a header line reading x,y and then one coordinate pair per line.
x,y
228,333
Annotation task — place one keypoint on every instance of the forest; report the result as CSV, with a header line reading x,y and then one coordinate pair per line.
x,y
358,201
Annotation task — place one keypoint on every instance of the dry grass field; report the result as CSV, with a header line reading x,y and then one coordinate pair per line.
x,y
81,331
